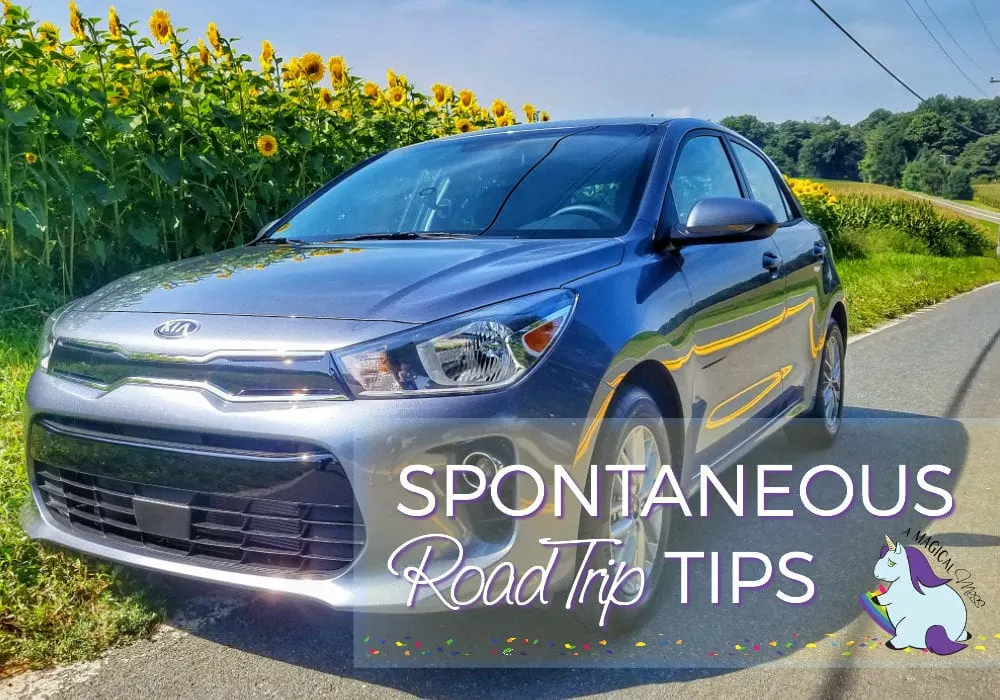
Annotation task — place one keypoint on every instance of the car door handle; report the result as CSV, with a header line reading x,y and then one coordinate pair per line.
x,y
771,261
819,250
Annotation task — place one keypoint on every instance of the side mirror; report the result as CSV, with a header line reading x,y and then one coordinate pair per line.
x,y
724,220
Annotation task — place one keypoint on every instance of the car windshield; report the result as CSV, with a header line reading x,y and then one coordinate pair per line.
x,y
545,183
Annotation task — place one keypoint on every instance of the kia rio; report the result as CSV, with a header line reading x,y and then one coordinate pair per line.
x,y
602,292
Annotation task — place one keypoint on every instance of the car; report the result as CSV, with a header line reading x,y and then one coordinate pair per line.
x,y
638,291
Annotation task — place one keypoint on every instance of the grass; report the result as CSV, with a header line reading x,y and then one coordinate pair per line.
x,y
888,285
54,607
848,187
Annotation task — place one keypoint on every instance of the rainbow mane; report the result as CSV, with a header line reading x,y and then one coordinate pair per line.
x,y
876,611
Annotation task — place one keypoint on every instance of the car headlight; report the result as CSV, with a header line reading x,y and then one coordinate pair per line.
x,y
489,348
48,339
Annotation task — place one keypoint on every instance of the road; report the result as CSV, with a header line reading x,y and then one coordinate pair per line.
x,y
966,209
920,391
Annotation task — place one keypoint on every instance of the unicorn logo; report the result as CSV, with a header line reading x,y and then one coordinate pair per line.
x,y
923,612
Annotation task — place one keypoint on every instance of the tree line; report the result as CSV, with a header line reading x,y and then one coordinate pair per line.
x,y
934,148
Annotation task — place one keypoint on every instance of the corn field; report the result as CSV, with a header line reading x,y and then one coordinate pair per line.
x,y
126,144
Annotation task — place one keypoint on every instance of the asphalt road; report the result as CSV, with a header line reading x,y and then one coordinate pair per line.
x,y
921,391
966,209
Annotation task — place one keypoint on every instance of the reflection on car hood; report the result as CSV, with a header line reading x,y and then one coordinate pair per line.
x,y
407,281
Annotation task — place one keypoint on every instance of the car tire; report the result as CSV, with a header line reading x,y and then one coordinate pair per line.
x,y
820,425
632,413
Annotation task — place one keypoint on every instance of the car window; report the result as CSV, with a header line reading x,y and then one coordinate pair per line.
x,y
703,170
760,177
543,183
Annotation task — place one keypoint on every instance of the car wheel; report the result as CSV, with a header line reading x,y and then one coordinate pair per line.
x,y
821,425
633,432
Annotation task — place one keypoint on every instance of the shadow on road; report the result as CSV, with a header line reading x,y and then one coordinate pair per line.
x,y
680,642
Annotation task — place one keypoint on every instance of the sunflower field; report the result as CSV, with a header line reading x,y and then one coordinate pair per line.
x,y
127,144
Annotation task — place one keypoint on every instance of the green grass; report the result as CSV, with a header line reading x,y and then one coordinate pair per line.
x,y
54,607
888,285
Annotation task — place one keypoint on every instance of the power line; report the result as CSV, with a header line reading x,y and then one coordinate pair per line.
x,y
952,37
985,28
881,65
944,50
870,55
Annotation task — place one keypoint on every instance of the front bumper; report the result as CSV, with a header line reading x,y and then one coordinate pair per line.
x,y
544,419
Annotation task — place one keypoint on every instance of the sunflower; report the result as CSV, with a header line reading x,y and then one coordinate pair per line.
x,y
49,33
499,108
464,126
291,70
267,145
506,120
326,100
543,117
338,71
391,79
69,51
484,114
440,92
371,91
401,79
397,95
30,158
466,99
266,56
345,114
159,26
312,67
114,24
203,53
76,21
175,49
213,37
529,111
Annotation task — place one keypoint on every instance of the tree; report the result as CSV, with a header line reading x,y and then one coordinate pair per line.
x,y
959,184
885,156
833,154
932,131
750,127
786,142
927,173
981,157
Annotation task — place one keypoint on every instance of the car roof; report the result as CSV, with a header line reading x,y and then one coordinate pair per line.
x,y
569,125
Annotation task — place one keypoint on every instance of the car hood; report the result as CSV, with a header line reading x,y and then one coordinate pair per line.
x,y
406,281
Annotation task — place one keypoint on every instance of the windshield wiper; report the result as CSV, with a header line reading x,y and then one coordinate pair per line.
x,y
279,240
404,236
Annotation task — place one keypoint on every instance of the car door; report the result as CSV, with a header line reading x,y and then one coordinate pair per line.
x,y
738,304
803,249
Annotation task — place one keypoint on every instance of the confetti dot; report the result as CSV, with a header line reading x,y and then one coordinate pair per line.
x,y
570,646
773,643
739,647
406,653
982,637
811,645
366,639
997,635
846,653
795,634
788,645
979,647
830,634
374,652
908,650
449,641
603,642
850,643
508,651
416,645
400,644
679,641
640,644
756,647
510,639
586,647
713,653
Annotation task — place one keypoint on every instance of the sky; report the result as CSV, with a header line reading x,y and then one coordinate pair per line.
x,y
778,59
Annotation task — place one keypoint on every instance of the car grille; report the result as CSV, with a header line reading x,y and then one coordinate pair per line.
x,y
272,536
249,376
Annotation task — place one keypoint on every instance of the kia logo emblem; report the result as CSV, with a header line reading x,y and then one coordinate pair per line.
x,y
177,328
